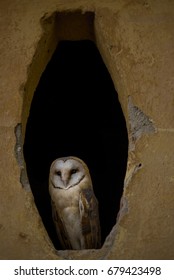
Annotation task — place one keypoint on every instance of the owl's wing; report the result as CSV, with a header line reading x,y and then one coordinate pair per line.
x,y
60,228
90,224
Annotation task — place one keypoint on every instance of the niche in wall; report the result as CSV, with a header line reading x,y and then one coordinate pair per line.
x,y
75,112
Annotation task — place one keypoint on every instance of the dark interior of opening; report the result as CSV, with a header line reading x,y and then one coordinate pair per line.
x,y
75,112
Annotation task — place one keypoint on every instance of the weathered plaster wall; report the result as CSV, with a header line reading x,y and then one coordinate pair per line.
x,y
135,39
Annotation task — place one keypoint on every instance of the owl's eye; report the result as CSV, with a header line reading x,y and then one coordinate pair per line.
x,y
58,173
73,171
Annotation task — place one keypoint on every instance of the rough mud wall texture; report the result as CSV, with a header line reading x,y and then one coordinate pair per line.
x,y
135,39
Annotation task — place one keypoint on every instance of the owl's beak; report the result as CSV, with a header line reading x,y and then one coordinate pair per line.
x,y
65,179
65,182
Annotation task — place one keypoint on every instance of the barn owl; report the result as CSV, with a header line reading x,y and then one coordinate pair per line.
x,y
74,205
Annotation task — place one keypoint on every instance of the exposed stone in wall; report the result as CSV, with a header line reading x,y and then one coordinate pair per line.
x,y
20,158
135,39
139,124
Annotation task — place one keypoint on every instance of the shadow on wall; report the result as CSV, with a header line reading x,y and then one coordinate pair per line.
x,y
75,112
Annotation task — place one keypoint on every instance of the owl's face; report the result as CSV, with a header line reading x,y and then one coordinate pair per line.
x,y
67,172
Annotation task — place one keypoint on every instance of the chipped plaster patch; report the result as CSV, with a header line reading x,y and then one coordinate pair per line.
x,y
18,146
139,123
20,158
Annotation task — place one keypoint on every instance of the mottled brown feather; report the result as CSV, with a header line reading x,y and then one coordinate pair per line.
x,y
88,207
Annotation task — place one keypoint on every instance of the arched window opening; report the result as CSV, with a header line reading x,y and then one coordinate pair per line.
x,y
75,112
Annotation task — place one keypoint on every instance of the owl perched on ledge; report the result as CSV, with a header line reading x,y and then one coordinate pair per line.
x,y
74,205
